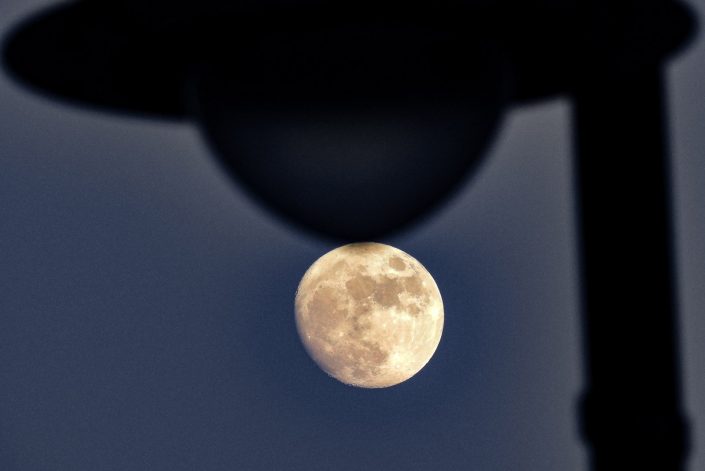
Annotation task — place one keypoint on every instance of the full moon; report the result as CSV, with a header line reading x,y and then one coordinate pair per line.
x,y
369,314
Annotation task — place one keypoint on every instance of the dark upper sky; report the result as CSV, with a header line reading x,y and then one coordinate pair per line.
x,y
146,304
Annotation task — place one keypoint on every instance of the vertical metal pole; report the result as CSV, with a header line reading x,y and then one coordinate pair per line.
x,y
631,411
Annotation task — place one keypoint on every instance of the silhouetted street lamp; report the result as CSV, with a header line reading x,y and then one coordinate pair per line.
x,y
355,119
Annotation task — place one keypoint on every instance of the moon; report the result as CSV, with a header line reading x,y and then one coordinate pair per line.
x,y
370,315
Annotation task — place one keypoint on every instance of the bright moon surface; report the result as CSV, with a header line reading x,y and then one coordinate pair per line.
x,y
369,314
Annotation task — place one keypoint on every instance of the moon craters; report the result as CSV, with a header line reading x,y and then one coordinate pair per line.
x,y
369,314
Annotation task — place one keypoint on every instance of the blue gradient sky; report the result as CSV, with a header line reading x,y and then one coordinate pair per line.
x,y
146,304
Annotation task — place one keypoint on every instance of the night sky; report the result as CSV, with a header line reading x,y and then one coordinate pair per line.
x,y
146,304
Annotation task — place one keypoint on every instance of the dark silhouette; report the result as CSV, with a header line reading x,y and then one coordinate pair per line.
x,y
355,120
631,410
